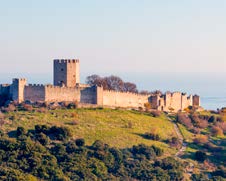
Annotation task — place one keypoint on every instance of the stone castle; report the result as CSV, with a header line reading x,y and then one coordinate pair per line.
x,y
67,88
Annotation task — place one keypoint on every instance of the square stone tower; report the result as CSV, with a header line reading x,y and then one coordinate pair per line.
x,y
17,89
66,72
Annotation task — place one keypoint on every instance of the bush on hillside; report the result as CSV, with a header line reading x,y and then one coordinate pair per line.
x,y
80,142
200,139
216,131
185,120
200,156
152,136
156,113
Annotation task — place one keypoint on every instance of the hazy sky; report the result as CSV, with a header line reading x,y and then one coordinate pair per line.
x,y
114,36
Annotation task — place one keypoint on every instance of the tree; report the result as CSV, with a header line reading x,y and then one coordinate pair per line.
x,y
145,92
130,87
114,83
80,142
111,83
95,80
20,131
200,156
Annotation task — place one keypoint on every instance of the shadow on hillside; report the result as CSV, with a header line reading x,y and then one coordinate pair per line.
x,y
188,155
148,138
12,134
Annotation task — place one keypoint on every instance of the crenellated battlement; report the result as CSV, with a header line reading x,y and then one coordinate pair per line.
x,y
126,93
35,85
58,88
65,61
19,80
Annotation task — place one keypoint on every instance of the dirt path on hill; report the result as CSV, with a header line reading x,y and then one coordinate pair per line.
x,y
183,148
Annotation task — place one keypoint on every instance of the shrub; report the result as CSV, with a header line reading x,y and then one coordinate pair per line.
x,y
27,107
74,122
59,133
10,108
200,139
222,125
175,142
42,138
156,113
74,115
2,117
147,106
203,124
212,119
200,156
80,142
20,131
130,125
185,120
152,136
196,130
42,110
217,131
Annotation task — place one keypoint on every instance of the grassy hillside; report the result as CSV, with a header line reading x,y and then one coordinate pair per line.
x,y
118,128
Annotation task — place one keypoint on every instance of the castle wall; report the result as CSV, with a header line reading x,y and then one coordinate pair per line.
x,y
176,101
154,101
123,99
170,101
99,97
4,89
89,95
186,101
60,94
34,93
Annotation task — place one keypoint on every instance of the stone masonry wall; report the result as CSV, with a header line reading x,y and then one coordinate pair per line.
x,y
34,93
4,89
123,99
17,89
66,72
60,94
89,95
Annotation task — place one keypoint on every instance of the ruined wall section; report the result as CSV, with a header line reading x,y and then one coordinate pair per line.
x,y
124,99
34,93
60,94
196,101
172,102
186,101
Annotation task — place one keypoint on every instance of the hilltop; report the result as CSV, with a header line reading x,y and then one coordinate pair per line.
x,y
184,141
118,128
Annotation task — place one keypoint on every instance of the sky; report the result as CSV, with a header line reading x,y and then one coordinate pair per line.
x,y
114,36
175,41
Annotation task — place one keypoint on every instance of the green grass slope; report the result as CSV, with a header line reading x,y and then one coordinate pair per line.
x,y
118,128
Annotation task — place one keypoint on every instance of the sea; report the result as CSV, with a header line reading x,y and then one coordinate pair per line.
x,y
210,86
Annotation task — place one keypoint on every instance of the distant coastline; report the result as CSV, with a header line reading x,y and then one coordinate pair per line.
x,y
212,103
212,93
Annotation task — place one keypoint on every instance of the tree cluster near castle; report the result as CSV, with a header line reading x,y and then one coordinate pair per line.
x,y
67,87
